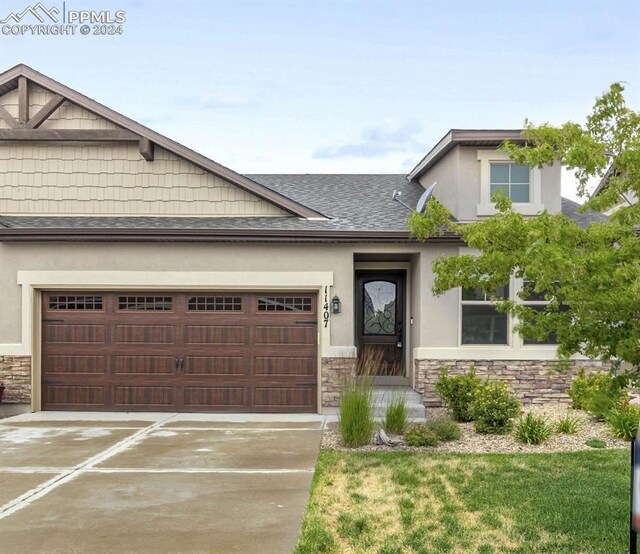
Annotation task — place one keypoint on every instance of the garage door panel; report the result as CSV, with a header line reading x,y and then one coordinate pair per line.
x,y
214,397
284,397
287,366
179,351
281,335
75,364
214,334
147,396
74,395
145,334
144,365
215,365
75,333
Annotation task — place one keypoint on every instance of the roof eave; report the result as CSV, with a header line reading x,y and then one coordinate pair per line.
x,y
12,234
461,137
267,194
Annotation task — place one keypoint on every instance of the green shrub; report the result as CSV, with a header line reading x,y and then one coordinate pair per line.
x,y
567,425
445,429
421,435
395,418
623,420
597,393
356,422
532,429
458,392
493,408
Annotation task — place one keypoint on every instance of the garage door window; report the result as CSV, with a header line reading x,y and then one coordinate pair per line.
x,y
214,304
284,304
75,302
145,303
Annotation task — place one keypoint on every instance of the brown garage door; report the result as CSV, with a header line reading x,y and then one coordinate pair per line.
x,y
192,352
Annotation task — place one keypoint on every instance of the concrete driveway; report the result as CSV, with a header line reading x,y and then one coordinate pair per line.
x,y
137,483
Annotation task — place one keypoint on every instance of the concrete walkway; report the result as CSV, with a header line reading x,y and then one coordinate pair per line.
x,y
138,483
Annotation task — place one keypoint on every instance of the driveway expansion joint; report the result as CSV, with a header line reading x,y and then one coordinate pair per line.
x,y
67,475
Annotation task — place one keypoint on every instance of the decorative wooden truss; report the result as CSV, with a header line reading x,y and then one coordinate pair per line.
x,y
28,128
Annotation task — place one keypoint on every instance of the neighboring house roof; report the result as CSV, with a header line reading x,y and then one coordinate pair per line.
x,y
9,81
464,137
605,180
360,208
584,219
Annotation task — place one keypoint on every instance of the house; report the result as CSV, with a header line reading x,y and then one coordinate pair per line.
x,y
137,274
627,198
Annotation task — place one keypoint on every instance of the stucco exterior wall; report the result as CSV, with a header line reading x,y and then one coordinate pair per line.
x,y
458,176
438,314
195,257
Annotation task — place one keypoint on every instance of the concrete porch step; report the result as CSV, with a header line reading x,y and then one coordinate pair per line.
x,y
383,396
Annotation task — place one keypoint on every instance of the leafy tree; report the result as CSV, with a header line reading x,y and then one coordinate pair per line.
x,y
590,276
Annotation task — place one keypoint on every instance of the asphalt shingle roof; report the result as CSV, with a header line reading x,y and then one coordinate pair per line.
x,y
584,219
353,202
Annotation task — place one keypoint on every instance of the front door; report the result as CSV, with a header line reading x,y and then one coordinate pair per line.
x,y
380,320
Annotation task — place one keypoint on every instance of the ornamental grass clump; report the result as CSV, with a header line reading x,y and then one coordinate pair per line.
x,y
356,422
623,421
396,418
458,392
532,429
493,408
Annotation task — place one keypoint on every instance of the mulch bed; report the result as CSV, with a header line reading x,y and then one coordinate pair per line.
x,y
473,442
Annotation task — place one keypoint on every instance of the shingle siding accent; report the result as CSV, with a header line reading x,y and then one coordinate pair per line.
x,y
533,382
113,179
15,373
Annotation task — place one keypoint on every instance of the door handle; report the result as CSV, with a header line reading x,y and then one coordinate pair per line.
x,y
182,364
177,367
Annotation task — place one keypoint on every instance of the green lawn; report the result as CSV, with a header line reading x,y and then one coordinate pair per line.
x,y
387,502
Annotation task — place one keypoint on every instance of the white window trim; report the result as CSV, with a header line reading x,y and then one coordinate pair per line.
x,y
486,207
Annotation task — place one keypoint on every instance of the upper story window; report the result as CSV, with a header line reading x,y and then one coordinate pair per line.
x,y
520,183
511,179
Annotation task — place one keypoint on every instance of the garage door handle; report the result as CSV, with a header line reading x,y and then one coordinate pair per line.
x,y
307,322
181,364
177,368
52,320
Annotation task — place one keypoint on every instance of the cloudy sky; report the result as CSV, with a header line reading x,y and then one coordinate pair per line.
x,y
340,86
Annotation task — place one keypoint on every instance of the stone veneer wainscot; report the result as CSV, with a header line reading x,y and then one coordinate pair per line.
x,y
334,373
15,373
533,382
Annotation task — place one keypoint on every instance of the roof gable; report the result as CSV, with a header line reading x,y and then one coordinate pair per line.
x,y
128,129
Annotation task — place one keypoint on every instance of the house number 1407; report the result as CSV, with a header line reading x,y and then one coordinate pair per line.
x,y
325,308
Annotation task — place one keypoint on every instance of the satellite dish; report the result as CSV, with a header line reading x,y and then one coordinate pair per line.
x,y
426,195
